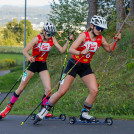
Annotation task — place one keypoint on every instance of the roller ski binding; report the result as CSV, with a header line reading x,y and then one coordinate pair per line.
x,y
87,119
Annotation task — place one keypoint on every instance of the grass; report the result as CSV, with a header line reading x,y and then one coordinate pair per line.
x,y
116,92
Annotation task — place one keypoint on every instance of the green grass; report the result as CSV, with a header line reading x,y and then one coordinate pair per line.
x,y
116,90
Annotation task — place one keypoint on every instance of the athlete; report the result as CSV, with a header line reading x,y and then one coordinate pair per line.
x,y
82,49
40,45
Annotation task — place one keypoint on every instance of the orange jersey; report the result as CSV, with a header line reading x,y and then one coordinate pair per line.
x,y
88,44
42,49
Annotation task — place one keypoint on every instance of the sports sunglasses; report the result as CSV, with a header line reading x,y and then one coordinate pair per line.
x,y
99,28
50,34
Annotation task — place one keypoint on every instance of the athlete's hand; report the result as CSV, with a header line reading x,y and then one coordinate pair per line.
x,y
32,59
117,36
84,52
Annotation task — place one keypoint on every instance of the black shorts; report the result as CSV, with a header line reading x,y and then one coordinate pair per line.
x,y
37,66
81,69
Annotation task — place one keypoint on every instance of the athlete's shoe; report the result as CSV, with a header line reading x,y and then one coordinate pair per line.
x,y
85,116
42,114
6,110
48,114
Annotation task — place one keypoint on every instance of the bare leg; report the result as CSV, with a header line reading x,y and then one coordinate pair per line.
x,y
62,89
24,83
45,78
55,97
91,83
16,94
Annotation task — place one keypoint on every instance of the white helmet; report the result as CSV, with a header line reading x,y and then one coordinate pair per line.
x,y
99,21
50,28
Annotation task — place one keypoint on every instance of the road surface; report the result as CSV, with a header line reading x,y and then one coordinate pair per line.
x,y
12,125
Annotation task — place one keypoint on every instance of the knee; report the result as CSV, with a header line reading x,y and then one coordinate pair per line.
x,y
94,91
61,93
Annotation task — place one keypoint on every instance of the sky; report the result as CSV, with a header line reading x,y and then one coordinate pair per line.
x,y
29,2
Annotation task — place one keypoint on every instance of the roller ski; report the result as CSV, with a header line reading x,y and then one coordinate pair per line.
x,y
6,111
44,114
50,116
85,118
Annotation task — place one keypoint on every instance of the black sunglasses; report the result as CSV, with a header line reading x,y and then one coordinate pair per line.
x,y
50,34
99,28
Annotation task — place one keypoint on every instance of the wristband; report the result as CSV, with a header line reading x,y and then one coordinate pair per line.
x,y
115,39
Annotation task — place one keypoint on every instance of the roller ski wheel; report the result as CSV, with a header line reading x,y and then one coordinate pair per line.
x,y
109,121
37,120
0,117
72,120
62,117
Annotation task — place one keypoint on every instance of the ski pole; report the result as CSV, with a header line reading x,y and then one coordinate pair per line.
x,y
52,90
64,63
62,70
65,58
112,51
107,63
16,83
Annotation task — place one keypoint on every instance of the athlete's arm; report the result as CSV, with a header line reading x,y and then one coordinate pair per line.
x,y
109,47
75,45
33,42
57,45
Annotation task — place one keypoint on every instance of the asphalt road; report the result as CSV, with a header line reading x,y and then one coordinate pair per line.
x,y
4,72
12,125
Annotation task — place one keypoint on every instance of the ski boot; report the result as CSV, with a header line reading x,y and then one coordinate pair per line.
x,y
42,114
48,114
6,111
85,116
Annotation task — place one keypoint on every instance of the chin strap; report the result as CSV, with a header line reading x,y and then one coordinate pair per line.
x,y
93,31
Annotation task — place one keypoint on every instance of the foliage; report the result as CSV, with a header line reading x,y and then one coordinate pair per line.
x,y
68,16
18,58
13,34
7,63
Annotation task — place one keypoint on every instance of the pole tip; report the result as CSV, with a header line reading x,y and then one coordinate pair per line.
x,y
22,123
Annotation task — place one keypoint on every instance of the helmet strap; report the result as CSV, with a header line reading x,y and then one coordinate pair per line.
x,y
92,29
44,36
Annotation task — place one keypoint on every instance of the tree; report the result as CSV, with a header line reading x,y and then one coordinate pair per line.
x,y
132,8
29,31
68,15
13,26
120,10
92,10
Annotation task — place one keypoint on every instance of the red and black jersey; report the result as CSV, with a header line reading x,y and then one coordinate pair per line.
x,y
42,49
92,46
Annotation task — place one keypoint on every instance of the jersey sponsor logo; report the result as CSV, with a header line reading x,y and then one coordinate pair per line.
x,y
85,60
43,47
91,46
40,58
